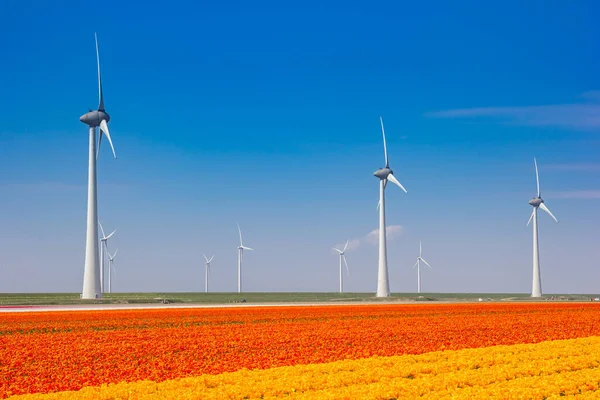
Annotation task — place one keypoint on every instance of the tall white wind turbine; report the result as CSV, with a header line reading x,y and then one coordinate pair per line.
x,y
206,271
111,268
103,251
384,174
98,118
241,249
418,266
342,254
537,202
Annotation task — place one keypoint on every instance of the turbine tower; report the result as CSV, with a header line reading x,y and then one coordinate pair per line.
x,y
206,271
111,268
537,202
384,174
241,249
418,265
342,254
103,251
99,118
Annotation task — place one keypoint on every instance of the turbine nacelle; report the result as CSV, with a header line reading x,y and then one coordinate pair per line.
x,y
94,118
536,201
383,173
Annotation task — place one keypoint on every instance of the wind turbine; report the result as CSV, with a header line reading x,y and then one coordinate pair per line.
x,y
99,118
418,265
241,249
537,202
206,271
111,268
343,257
104,250
384,174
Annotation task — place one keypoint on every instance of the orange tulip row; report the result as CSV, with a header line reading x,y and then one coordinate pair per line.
x,y
50,352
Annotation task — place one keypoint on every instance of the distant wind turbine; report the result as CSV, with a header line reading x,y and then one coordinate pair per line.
x,y
103,251
537,202
111,268
384,174
241,249
99,118
418,265
206,271
342,254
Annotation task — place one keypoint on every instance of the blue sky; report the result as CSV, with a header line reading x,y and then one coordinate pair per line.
x,y
267,114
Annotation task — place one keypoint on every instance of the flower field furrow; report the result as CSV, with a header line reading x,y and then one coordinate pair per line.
x,y
536,371
50,352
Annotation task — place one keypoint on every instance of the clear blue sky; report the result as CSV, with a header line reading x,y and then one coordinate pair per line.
x,y
267,113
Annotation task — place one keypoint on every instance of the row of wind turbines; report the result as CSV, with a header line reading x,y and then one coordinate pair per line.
x,y
93,279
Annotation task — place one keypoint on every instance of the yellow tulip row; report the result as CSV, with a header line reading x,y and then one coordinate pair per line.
x,y
561,368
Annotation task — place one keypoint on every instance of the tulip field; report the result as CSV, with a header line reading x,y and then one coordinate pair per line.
x,y
383,351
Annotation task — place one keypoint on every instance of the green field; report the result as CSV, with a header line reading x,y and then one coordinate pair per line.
x,y
278,297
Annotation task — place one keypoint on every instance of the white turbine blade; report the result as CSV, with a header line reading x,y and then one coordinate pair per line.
x,y
387,164
543,207
100,96
116,251
530,217
420,249
426,263
247,248
346,246
240,231
416,263
104,128
392,178
101,230
346,263
378,204
537,177
99,143
205,258
211,258
113,232
338,250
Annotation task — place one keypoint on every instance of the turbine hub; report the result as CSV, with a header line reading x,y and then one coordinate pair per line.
x,y
383,173
536,201
93,118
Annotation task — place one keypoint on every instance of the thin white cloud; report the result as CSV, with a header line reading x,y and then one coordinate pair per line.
x,y
584,116
391,231
576,194
372,237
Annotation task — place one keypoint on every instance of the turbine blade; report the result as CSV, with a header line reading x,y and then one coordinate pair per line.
x,y
426,263
240,231
346,246
346,263
392,178
530,217
205,258
211,258
104,128
416,263
99,143
101,230
378,204
247,248
387,164
113,232
420,249
537,177
116,251
338,250
100,96
543,207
